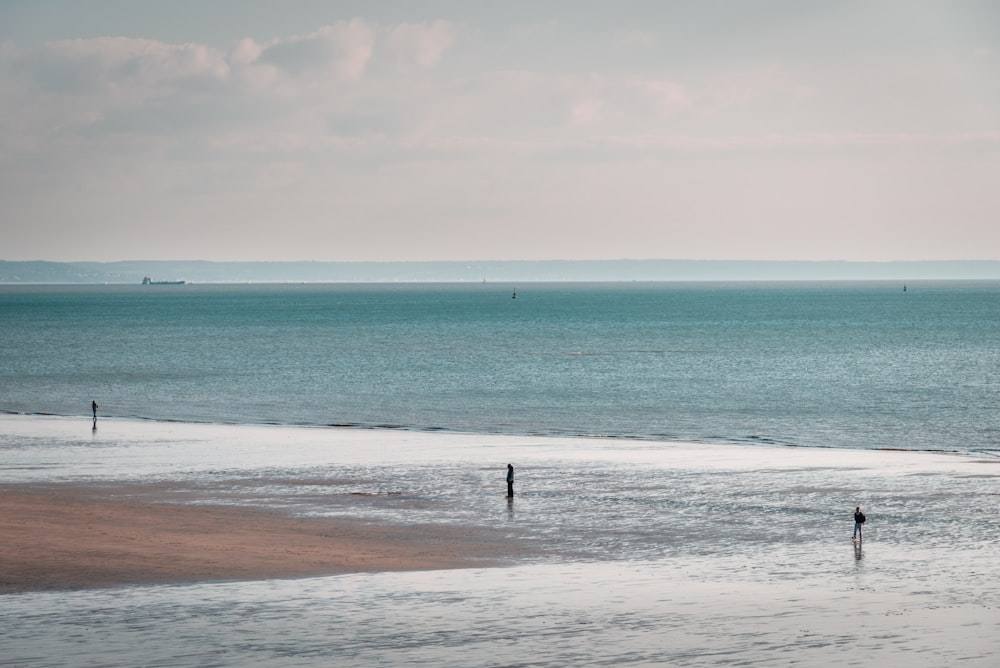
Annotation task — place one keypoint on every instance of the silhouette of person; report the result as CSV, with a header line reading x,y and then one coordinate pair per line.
x,y
93,407
510,481
859,519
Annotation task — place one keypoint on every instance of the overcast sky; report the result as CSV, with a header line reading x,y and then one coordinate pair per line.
x,y
462,130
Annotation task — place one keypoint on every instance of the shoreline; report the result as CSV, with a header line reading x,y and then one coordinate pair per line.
x,y
518,436
73,536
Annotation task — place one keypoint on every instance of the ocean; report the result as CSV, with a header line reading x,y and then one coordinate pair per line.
x,y
666,518
842,364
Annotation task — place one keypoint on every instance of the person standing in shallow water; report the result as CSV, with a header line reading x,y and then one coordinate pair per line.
x,y
93,407
510,481
859,519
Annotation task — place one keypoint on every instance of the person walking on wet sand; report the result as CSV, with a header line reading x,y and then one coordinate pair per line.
x,y
93,407
859,519
510,481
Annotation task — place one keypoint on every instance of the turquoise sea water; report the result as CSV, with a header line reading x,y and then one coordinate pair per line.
x,y
863,365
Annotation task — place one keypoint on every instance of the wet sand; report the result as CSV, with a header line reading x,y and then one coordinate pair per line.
x,y
75,537
616,552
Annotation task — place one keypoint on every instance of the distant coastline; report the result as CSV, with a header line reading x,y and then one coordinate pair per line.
x,y
201,271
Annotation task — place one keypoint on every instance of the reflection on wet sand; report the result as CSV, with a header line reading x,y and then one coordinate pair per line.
x,y
627,553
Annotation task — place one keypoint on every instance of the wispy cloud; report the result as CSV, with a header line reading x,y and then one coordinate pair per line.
x,y
423,45
342,50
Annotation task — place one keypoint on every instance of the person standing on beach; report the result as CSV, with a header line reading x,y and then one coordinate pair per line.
x,y
510,481
93,407
859,519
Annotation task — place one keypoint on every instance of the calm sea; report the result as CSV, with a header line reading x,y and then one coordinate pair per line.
x,y
861,365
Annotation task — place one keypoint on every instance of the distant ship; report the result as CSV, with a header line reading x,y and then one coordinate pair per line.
x,y
146,280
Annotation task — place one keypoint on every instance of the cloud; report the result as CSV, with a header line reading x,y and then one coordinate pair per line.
x,y
129,85
245,52
420,44
741,89
62,88
586,112
344,49
353,84
96,65
668,98
350,86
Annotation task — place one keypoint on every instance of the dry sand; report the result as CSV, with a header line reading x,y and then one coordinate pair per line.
x,y
74,537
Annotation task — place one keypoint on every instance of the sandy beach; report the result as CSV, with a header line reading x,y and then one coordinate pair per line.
x,y
76,537
173,544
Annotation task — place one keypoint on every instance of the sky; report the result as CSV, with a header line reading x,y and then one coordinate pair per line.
x,y
473,130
